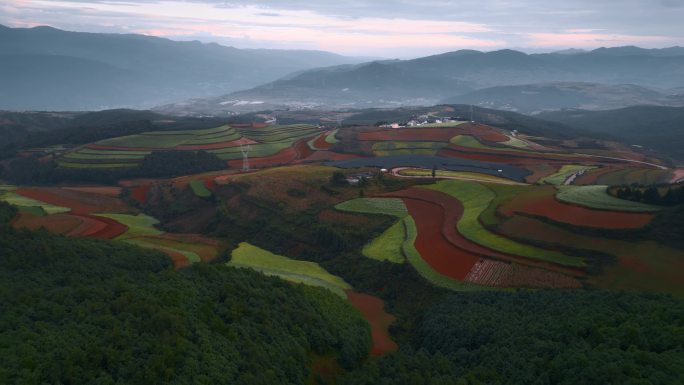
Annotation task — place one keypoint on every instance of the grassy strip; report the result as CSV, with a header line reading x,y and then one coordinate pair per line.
x,y
515,142
199,189
206,131
140,225
142,242
89,156
308,273
597,197
447,124
331,138
423,268
559,177
32,206
387,246
386,206
475,199
458,174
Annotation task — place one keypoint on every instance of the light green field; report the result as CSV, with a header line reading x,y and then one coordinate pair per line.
x,y
597,197
515,142
421,172
140,225
387,246
199,189
448,124
389,148
276,133
206,131
331,138
475,199
559,177
386,206
308,273
257,150
91,151
31,205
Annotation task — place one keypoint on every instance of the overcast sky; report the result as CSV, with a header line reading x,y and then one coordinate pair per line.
x,y
387,28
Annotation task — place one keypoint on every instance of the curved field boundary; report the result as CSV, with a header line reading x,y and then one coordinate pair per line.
x,y
567,173
320,143
331,137
140,225
199,188
308,273
189,256
387,246
448,174
541,201
597,197
475,199
20,200
411,134
215,146
56,223
385,206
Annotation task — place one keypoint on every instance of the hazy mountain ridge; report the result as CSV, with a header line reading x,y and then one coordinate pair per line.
x,y
47,68
428,80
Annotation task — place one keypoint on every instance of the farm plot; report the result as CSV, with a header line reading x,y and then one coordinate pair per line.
x,y
567,173
31,205
407,148
626,176
641,265
475,199
373,310
276,133
309,273
540,201
410,134
501,274
385,206
597,197
199,188
140,225
425,173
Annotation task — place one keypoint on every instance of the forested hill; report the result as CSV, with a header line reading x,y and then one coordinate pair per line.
x,y
78,311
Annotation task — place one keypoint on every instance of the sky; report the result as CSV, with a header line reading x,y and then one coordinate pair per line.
x,y
379,28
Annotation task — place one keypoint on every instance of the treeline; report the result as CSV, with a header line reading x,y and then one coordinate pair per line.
x,y
670,195
78,311
29,170
540,337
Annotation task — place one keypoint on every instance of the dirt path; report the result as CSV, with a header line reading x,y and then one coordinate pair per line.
x,y
373,310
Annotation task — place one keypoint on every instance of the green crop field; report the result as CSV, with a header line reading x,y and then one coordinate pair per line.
x,y
331,138
440,125
515,142
386,206
78,155
33,206
644,176
387,246
475,199
95,165
559,177
257,150
140,225
597,197
390,148
277,133
309,273
457,175
199,189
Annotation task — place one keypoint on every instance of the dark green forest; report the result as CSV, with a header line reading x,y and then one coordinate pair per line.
x,y
76,311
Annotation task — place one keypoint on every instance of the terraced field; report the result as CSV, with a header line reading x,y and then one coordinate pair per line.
x,y
567,173
224,141
407,148
309,273
425,173
475,199
597,197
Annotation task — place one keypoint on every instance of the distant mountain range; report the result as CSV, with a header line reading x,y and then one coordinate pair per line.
x,y
432,79
535,98
44,68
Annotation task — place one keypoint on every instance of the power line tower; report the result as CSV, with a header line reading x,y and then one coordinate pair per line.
x,y
245,149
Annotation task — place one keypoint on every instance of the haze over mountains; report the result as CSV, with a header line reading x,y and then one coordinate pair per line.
x,y
430,80
44,68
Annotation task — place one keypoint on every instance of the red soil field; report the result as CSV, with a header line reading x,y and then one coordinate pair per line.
x,y
140,193
102,190
539,171
302,149
179,260
439,253
500,274
209,183
591,176
87,227
79,202
56,223
451,211
213,146
542,202
111,230
412,134
373,310
491,136
320,142
283,156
